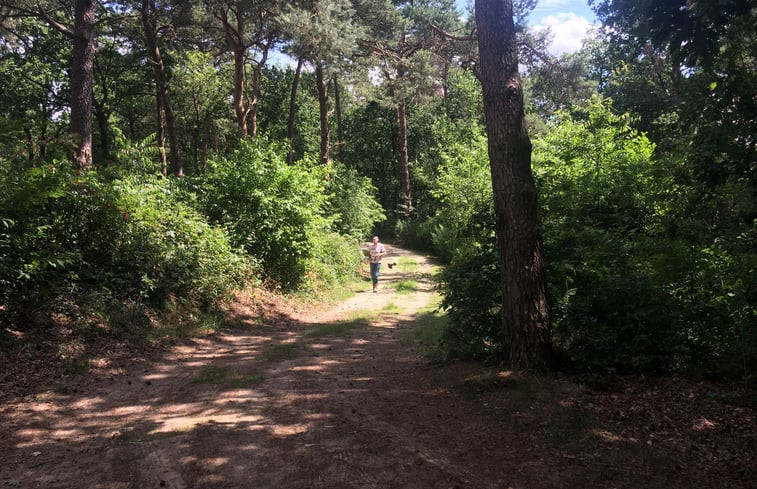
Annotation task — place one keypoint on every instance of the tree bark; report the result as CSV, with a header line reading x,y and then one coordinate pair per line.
x,y
339,127
82,79
205,142
525,314
407,200
254,102
148,10
235,40
293,111
161,132
323,104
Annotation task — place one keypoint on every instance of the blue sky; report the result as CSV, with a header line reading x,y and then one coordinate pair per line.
x,y
569,21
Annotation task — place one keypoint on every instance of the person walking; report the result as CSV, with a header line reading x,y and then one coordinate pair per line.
x,y
376,251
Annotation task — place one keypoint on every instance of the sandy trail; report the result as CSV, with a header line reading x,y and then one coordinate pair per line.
x,y
321,400
289,403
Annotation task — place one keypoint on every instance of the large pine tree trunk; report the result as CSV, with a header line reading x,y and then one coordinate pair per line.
x,y
525,313
82,78
293,111
323,103
407,200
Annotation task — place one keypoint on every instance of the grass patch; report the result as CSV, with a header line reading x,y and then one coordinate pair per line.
x,y
75,366
338,328
318,293
391,307
404,286
427,331
567,422
227,377
135,436
282,351
179,321
407,265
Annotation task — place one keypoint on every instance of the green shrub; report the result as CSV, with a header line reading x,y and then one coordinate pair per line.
x,y
352,203
334,260
70,235
415,234
278,214
472,296
463,190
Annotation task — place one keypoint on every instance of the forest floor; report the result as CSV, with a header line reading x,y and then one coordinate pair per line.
x,y
343,397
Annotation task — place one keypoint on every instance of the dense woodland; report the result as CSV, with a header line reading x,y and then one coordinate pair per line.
x,y
156,156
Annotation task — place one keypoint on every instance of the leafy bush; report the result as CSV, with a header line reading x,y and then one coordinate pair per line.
x,y
275,211
463,190
472,296
416,234
334,260
352,202
69,236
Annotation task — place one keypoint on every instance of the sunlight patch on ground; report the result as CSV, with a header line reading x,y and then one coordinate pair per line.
x,y
284,430
186,423
608,437
307,368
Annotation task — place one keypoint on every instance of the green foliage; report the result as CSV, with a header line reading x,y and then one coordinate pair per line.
x,y
352,203
334,261
599,196
472,297
463,191
627,291
276,212
68,236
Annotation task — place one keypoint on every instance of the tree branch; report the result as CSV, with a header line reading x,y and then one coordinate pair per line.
x,y
54,23
452,37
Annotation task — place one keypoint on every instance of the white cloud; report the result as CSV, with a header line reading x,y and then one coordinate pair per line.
x,y
546,4
568,30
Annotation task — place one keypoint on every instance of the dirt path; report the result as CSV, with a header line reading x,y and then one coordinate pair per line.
x,y
320,401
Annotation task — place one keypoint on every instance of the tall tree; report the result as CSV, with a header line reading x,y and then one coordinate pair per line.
x,y
405,53
292,111
82,35
325,33
525,313
82,80
249,30
149,16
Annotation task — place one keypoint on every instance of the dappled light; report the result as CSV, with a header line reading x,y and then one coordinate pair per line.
x,y
308,404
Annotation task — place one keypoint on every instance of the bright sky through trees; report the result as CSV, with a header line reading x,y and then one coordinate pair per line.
x,y
569,20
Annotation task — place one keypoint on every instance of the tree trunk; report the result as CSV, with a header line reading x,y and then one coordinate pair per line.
x,y
323,104
205,142
102,124
239,108
525,313
407,200
256,75
161,132
82,76
234,34
293,111
148,9
339,127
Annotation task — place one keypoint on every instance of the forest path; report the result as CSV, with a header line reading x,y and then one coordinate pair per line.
x,y
326,399
332,398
